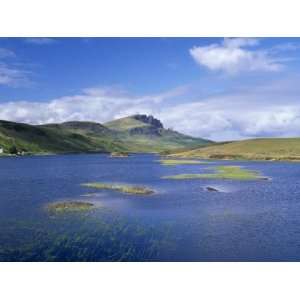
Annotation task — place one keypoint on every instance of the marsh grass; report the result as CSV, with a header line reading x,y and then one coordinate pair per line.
x,y
69,206
128,189
222,172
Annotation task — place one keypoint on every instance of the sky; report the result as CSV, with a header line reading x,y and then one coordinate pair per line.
x,y
215,88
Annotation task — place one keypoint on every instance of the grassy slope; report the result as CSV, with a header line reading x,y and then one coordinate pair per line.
x,y
256,149
124,124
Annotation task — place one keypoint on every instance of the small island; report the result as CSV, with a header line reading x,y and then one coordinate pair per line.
x,y
127,189
223,172
69,206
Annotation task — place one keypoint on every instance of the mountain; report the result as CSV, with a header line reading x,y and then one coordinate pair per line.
x,y
142,133
253,149
137,133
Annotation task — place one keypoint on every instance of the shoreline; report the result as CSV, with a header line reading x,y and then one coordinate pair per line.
x,y
237,158
170,156
242,159
69,153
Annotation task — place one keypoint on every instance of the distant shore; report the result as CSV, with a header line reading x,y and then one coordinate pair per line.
x,y
236,157
179,156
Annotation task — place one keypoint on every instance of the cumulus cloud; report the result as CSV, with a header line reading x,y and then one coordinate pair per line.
x,y
235,55
270,110
94,104
228,119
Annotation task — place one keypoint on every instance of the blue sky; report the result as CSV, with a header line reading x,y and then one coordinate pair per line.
x,y
64,65
217,88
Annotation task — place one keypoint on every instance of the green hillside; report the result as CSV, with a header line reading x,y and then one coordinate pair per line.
x,y
138,133
142,133
90,128
52,139
254,149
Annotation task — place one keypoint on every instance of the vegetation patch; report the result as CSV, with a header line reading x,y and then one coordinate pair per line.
x,y
222,172
128,189
174,162
69,206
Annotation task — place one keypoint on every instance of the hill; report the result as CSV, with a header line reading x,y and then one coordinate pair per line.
x,y
56,138
253,149
141,134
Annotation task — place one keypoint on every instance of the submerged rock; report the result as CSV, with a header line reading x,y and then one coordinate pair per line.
x,y
211,189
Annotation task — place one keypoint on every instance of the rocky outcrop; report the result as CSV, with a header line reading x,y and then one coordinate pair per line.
x,y
149,130
149,120
153,128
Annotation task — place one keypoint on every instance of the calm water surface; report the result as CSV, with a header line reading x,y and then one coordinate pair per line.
x,y
246,221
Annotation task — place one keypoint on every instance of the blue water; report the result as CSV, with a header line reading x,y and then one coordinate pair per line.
x,y
182,221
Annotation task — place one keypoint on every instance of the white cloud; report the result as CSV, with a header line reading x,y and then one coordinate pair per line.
x,y
234,56
10,74
96,104
40,41
222,121
258,111
271,110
